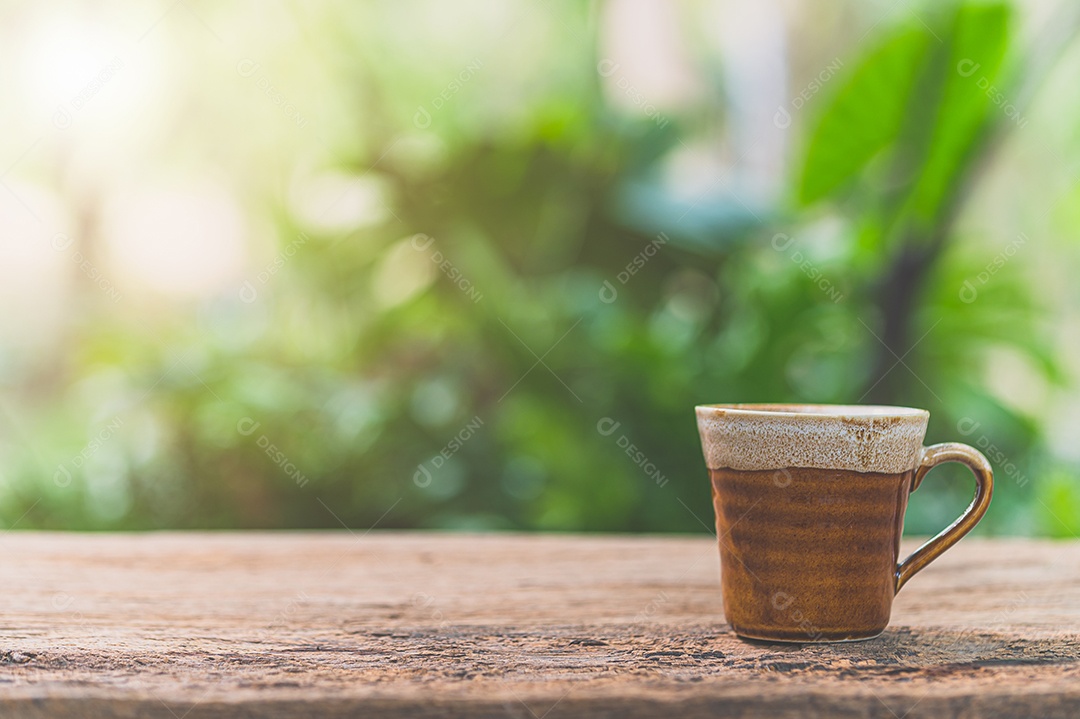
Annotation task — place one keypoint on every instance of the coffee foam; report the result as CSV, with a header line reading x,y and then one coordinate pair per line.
x,y
850,437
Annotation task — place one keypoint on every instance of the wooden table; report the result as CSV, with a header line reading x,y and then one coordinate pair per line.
x,y
535,627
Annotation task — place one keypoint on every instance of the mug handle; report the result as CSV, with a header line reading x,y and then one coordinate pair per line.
x,y
931,457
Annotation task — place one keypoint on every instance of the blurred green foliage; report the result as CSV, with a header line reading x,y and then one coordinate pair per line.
x,y
484,355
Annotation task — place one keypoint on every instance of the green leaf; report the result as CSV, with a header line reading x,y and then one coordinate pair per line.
x,y
864,116
978,40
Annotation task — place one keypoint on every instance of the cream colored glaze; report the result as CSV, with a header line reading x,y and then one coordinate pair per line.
x,y
775,436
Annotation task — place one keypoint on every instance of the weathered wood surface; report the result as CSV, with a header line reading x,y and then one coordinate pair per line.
x,y
426,625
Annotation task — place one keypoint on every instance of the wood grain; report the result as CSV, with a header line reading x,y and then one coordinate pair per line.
x,y
440,625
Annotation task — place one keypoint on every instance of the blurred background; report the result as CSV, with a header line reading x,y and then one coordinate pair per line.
x,y
470,265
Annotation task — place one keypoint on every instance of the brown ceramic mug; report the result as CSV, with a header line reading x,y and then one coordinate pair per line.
x,y
810,504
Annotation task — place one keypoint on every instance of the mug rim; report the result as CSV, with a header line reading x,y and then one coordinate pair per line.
x,y
795,409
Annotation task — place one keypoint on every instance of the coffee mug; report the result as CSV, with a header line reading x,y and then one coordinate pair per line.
x,y
810,503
